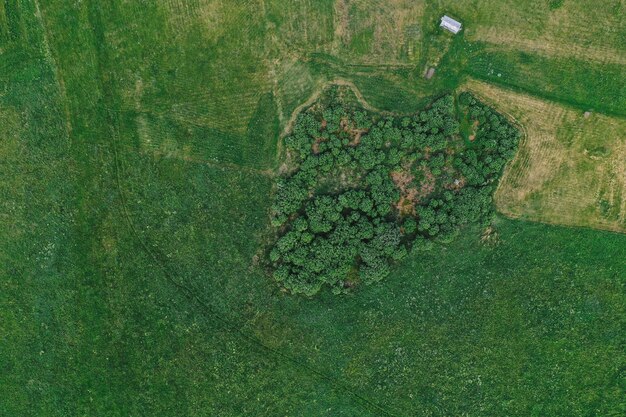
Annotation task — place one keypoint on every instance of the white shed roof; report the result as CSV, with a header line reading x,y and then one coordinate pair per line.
x,y
450,24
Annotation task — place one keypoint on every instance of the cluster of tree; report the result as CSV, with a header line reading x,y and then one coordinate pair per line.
x,y
336,213
495,144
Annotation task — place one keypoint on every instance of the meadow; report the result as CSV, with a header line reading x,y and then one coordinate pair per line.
x,y
139,146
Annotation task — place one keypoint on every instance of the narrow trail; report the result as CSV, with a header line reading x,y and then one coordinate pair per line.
x,y
309,102
269,172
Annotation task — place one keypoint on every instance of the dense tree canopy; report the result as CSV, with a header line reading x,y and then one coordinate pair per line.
x,y
364,190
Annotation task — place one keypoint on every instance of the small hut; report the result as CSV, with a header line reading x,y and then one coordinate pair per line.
x,y
450,24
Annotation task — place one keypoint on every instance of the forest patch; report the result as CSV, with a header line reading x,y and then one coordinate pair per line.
x,y
364,190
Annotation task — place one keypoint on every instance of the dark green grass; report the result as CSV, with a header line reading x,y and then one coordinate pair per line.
x,y
457,325
588,86
128,279
91,322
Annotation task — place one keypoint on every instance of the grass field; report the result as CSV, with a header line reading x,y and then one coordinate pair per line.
x,y
138,145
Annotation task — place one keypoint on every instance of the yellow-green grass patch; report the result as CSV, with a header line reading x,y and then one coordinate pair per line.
x,y
570,169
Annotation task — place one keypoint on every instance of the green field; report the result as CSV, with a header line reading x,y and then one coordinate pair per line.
x,y
139,145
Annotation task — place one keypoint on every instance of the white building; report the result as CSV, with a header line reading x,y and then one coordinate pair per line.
x,y
450,24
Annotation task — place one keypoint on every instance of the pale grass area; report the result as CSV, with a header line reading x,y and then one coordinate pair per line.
x,y
549,46
390,23
211,14
342,20
298,25
569,170
583,29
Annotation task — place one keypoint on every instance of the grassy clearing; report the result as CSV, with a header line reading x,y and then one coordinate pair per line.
x,y
456,325
569,170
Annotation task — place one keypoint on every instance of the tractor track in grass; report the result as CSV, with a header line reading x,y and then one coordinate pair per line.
x,y
207,309
45,36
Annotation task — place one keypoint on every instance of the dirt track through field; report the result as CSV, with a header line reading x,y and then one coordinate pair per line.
x,y
309,102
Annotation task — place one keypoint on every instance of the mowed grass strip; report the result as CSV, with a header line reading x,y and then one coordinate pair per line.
x,y
194,77
570,169
378,32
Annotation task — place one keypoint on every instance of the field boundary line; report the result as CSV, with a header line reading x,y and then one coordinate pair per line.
x,y
570,104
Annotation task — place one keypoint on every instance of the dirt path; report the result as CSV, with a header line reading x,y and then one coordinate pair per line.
x,y
318,92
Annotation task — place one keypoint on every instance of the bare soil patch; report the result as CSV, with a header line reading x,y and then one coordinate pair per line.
x,y
408,197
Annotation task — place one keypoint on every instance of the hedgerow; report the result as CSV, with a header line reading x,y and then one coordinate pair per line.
x,y
365,190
